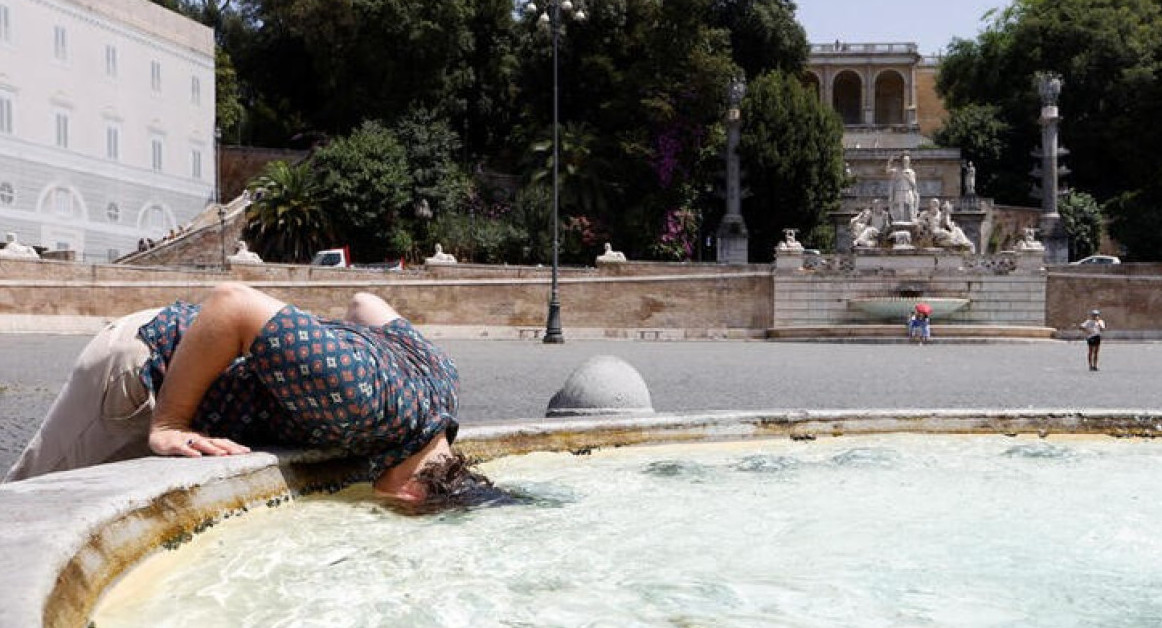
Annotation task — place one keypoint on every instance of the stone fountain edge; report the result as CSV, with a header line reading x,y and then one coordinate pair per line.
x,y
66,537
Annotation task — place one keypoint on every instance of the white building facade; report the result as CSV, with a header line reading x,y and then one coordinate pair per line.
x,y
106,123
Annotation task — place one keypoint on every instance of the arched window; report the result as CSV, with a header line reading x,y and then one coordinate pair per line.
x,y
811,82
155,221
889,98
847,90
64,204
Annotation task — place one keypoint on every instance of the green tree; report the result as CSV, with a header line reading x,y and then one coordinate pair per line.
x,y
583,175
431,148
488,94
982,136
1082,219
1136,222
532,213
791,149
763,35
344,62
229,110
366,185
1109,55
285,221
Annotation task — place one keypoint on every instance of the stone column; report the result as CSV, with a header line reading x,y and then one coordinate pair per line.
x,y
732,235
868,97
1051,228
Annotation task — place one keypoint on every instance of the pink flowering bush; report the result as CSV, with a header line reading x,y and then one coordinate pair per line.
x,y
679,235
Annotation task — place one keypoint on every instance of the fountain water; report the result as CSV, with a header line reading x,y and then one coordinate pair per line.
x,y
884,529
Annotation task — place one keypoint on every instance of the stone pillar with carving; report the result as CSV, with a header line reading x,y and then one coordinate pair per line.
x,y
732,235
1052,229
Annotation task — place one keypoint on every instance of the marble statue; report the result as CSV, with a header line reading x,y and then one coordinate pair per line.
x,y
611,255
1028,241
970,180
440,257
789,244
17,250
243,255
956,237
936,227
868,225
903,195
928,221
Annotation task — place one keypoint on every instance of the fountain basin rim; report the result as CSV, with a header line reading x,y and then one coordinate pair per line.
x,y
899,307
101,520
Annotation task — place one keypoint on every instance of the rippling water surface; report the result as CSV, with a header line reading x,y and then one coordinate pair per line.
x,y
900,530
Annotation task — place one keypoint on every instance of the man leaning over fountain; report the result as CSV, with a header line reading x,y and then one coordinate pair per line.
x,y
243,367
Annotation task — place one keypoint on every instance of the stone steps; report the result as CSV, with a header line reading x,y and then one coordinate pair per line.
x,y
890,333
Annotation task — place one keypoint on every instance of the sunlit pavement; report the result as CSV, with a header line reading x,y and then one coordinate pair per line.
x,y
515,379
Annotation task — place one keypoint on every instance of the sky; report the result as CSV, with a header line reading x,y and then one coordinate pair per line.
x,y
931,24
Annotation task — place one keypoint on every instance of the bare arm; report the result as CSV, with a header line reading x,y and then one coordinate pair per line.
x,y
369,310
230,318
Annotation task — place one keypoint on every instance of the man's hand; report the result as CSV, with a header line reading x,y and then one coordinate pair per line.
x,y
175,442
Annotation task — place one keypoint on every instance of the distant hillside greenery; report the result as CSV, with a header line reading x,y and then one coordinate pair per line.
x,y
431,122
1108,54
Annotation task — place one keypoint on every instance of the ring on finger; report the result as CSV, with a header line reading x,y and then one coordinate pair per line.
x,y
190,443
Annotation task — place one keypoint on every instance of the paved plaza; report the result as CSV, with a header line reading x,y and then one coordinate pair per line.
x,y
504,380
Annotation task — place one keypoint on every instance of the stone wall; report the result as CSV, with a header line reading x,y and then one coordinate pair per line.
x,y
1129,296
930,112
240,164
721,303
694,300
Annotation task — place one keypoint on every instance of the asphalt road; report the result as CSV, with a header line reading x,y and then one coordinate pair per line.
x,y
515,379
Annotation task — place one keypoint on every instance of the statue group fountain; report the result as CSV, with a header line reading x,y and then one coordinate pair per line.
x,y
903,240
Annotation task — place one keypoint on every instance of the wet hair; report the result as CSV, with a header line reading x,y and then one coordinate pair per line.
x,y
451,484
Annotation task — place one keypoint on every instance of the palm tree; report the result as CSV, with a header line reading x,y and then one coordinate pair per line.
x,y
285,221
583,174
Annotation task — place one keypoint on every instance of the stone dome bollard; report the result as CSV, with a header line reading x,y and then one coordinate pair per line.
x,y
603,384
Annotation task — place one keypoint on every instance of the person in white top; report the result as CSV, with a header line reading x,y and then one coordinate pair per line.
x,y
1093,327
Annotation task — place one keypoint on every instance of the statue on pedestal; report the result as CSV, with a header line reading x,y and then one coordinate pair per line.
x,y
611,255
956,238
440,257
936,228
16,250
789,244
1028,241
243,255
903,195
868,225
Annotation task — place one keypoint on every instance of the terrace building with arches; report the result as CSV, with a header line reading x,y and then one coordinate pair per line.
x,y
885,94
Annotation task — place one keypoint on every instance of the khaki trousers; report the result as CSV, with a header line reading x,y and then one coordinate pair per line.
x,y
103,411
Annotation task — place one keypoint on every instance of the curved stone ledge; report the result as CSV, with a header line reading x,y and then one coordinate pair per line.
x,y
66,537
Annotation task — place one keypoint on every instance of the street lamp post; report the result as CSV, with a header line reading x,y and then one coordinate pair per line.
x,y
218,192
554,9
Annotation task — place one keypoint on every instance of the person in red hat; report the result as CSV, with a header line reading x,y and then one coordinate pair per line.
x,y
919,329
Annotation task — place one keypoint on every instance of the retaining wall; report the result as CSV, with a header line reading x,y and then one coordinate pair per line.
x,y
705,300
1129,296
637,299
